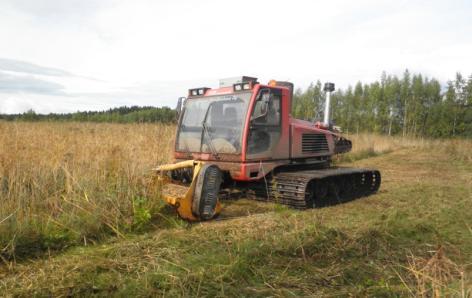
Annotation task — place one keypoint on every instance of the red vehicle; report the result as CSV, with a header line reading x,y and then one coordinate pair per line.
x,y
245,136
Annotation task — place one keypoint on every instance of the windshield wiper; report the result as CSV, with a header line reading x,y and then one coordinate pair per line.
x,y
210,143
207,131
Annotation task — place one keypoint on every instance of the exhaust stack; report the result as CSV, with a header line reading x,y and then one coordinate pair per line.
x,y
328,88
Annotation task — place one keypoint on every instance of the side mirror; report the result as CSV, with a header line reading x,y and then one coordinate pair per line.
x,y
178,108
264,97
265,104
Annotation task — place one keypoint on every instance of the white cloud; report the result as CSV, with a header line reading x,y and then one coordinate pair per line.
x,y
149,52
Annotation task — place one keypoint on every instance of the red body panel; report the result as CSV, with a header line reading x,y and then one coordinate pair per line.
x,y
288,149
298,128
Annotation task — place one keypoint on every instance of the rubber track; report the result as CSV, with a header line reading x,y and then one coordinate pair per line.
x,y
296,188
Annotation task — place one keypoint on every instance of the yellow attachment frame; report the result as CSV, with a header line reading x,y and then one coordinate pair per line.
x,y
179,196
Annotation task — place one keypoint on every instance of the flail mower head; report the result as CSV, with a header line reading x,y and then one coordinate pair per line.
x,y
197,201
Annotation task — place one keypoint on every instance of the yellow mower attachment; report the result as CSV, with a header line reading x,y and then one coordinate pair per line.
x,y
199,200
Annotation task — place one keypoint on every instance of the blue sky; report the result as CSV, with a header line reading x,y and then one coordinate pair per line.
x,y
63,56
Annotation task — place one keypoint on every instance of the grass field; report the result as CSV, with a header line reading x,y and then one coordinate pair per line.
x,y
78,217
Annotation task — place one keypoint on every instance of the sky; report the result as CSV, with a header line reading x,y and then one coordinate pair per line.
x,y
68,55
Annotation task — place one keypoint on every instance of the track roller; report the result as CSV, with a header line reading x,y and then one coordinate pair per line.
x,y
318,188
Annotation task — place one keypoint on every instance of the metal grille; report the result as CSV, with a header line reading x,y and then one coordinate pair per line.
x,y
314,143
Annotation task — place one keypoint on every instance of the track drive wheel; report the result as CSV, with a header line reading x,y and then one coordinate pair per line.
x,y
207,188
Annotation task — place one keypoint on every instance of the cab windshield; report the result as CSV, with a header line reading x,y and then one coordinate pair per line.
x,y
213,124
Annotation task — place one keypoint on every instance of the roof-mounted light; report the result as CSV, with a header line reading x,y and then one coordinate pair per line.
x,y
197,91
242,86
238,87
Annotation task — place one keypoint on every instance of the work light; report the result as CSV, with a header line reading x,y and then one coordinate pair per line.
x,y
238,87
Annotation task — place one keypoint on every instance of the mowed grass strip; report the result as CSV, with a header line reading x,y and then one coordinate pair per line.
x,y
413,238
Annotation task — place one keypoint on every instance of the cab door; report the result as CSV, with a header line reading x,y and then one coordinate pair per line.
x,y
264,139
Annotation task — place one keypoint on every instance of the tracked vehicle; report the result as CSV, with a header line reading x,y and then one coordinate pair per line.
x,y
242,136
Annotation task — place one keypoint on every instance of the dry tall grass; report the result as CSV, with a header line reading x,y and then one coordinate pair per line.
x,y
64,183
366,145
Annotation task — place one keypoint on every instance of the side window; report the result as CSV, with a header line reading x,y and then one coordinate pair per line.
x,y
265,129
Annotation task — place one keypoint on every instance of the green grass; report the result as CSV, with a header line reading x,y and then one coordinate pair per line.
x,y
412,238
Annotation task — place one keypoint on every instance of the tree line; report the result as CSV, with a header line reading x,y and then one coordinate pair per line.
x,y
412,105
115,115
409,105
